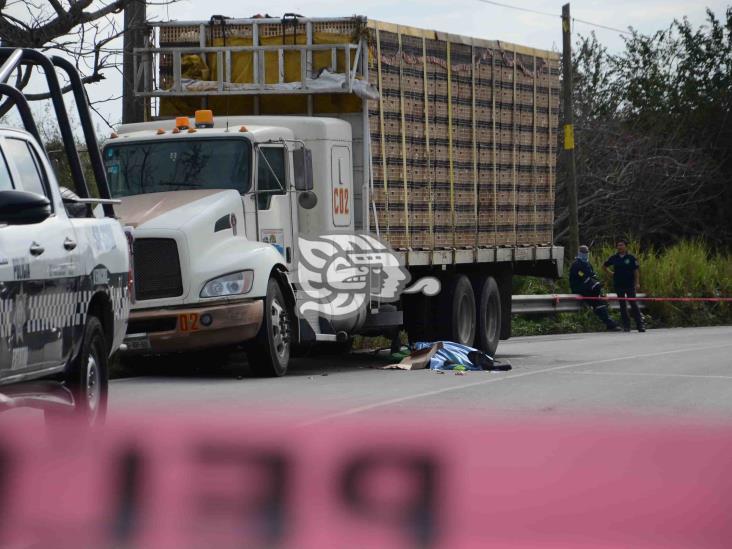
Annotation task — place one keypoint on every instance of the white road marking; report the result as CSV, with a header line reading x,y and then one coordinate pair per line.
x,y
645,374
398,400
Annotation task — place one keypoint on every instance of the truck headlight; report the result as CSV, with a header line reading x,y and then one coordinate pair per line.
x,y
230,284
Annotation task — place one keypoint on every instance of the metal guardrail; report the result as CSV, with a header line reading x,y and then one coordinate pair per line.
x,y
555,303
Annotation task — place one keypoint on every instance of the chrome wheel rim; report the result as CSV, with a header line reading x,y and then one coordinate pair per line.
x,y
93,386
280,329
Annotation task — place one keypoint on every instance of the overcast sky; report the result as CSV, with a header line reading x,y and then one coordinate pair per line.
x,y
467,17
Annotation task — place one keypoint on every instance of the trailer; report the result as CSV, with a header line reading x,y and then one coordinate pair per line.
x,y
442,146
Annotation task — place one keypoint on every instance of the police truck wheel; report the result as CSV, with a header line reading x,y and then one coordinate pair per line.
x,y
488,330
269,353
455,319
87,376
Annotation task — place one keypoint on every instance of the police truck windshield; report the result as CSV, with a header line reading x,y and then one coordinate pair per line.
x,y
180,164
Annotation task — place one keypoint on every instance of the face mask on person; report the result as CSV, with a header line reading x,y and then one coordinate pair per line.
x,y
583,256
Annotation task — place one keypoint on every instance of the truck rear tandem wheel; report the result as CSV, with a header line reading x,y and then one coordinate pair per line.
x,y
505,287
488,315
469,310
455,313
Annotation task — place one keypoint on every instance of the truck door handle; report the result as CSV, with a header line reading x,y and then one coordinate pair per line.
x,y
69,244
36,249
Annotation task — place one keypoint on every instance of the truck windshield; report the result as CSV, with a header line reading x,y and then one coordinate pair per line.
x,y
183,164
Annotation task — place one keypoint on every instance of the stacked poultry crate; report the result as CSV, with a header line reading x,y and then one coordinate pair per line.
x,y
464,140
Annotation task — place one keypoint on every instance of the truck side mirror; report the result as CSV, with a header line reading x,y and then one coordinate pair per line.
x,y
73,208
302,163
23,208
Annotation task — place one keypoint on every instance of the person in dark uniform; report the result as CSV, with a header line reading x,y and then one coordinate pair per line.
x,y
626,279
583,281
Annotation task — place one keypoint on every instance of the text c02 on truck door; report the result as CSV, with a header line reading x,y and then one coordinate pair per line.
x,y
341,188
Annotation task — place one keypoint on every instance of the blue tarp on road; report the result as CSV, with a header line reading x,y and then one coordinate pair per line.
x,y
451,355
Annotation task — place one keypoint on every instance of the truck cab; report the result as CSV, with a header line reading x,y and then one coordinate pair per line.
x,y
217,206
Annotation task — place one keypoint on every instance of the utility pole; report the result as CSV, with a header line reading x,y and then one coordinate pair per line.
x,y
569,159
133,108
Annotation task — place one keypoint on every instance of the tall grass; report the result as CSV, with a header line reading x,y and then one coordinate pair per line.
x,y
687,269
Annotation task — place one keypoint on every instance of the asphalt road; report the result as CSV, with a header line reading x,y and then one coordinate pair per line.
x,y
678,373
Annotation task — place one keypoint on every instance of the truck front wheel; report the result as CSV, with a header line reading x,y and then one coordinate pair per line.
x,y
269,352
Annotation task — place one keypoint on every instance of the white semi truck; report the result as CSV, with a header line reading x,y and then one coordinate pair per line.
x,y
220,204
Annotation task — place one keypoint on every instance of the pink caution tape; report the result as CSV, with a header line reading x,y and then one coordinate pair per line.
x,y
557,298
233,478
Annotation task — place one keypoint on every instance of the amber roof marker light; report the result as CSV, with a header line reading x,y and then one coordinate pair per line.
x,y
182,122
204,118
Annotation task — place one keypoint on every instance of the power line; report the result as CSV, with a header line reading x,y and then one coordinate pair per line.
x,y
518,8
598,25
548,14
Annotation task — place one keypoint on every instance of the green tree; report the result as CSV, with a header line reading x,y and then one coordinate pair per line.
x,y
653,135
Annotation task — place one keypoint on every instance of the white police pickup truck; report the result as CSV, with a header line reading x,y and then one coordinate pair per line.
x,y
65,276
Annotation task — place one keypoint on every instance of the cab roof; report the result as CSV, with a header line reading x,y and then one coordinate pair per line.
x,y
257,128
149,132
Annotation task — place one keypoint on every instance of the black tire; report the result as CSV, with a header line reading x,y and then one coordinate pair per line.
x,y
87,377
488,329
455,320
505,287
269,352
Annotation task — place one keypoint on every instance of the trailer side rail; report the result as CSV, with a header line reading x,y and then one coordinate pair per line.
x,y
456,256
159,68
145,59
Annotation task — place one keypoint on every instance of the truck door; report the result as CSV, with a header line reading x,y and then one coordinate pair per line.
x,y
44,270
9,248
273,202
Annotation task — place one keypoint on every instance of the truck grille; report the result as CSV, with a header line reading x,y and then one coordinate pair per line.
x,y
157,268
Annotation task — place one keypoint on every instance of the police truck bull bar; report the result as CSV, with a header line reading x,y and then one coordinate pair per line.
x,y
14,58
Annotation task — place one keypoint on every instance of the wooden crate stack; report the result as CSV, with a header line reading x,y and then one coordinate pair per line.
x,y
474,164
